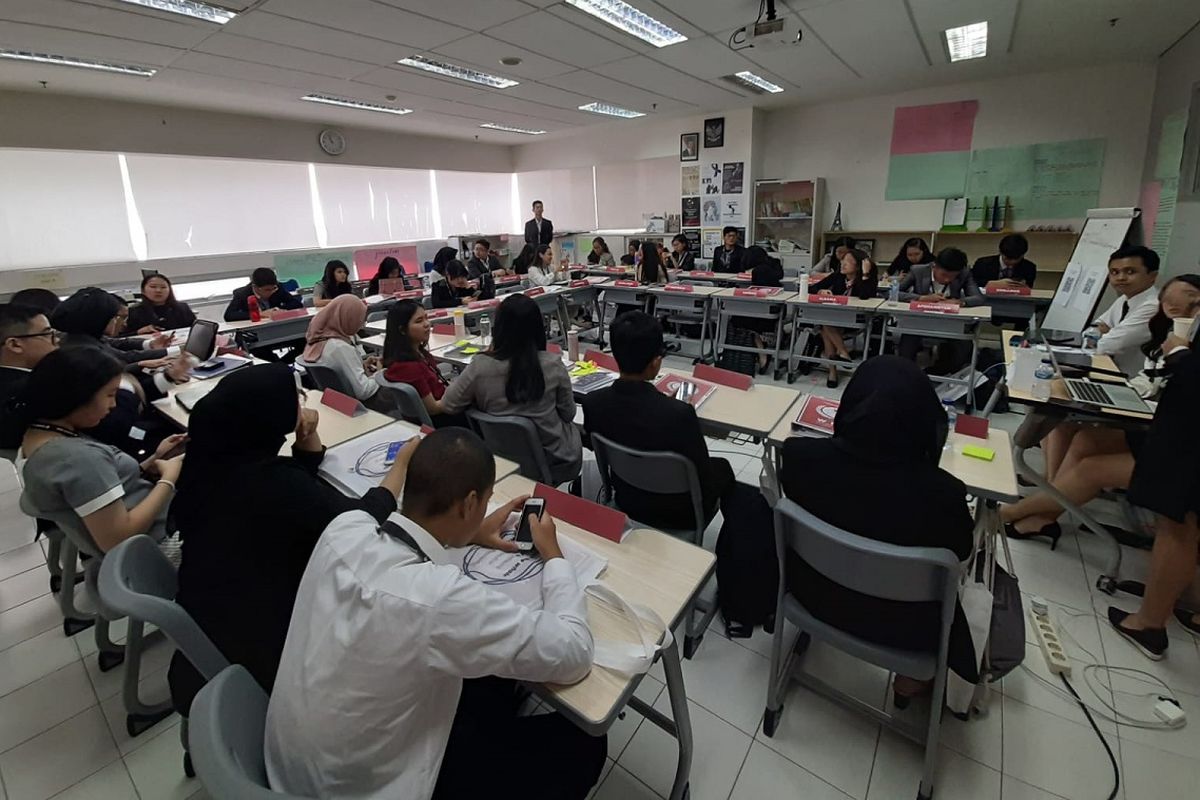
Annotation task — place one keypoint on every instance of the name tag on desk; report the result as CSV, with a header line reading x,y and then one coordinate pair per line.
x,y
289,313
829,299
484,303
601,360
621,270
408,294
578,283
600,520
744,276
725,377
1019,291
702,273
757,291
342,402
679,287
938,308
534,292
627,283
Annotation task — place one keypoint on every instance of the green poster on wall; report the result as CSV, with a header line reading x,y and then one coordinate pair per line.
x,y
308,267
1004,172
927,176
1170,145
1066,178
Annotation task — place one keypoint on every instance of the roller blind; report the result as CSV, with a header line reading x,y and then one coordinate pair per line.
x,y
475,202
567,194
370,205
626,191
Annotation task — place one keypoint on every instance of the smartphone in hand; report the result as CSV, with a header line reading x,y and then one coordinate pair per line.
x,y
393,450
524,539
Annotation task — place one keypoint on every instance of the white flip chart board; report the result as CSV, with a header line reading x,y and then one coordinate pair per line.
x,y
1083,283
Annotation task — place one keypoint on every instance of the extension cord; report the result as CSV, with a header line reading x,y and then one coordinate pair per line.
x,y
1053,649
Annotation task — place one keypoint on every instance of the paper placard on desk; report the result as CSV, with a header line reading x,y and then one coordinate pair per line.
x,y
679,287
745,276
689,390
507,279
725,377
621,270
817,413
969,425
578,283
626,282
703,273
342,402
601,360
534,292
443,330
437,313
289,313
756,291
939,308
391,285
829,299
484,303
1021,291
551,347
593,517
408,293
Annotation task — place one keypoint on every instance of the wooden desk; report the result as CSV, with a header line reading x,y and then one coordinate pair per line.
x,y
856,314
754,412
729,304
688,308
720,279
648,568
1059,395
963,326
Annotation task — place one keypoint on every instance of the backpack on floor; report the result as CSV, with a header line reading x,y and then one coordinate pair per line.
x,y
739,360
747,566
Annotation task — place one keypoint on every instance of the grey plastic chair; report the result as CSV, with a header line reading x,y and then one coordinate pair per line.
x,y
137,580
876,569
408,404
54,540
661,472
226,737
326,378
516,439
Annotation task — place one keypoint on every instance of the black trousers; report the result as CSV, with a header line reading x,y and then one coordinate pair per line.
x,y
952,354
494,753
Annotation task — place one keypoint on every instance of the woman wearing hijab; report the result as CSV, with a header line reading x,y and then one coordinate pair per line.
x,y
889,423
249,518
332,342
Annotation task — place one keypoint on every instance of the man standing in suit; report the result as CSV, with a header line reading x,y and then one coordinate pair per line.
x,y
25,338
538,231
634,413
946,280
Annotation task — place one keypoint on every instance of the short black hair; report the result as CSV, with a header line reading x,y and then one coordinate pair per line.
x,y
15,319
634,244
637,339
537,203
455,269
1149,257
951,259
39,298
264,276
121,301
66,379
428,491
843,241
728,229
483,242
1014,246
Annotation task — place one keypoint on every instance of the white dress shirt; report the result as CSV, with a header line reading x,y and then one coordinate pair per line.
x,y
379,643
1125,338
539,277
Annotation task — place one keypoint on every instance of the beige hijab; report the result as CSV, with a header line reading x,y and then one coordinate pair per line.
x,y
341,319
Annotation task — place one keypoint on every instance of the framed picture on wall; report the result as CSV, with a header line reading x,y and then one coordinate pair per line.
x,y
866,245
689,147
714,132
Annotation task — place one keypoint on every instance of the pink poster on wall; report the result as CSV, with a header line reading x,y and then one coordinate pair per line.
x,y
934,128
366,261
1148,203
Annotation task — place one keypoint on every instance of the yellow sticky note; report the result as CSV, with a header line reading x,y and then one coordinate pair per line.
x,y
982,453
470,351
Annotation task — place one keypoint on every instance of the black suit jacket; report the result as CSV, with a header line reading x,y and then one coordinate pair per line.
x,y
478,271
635,414
531,232
730,261
988,269
12,384
239,308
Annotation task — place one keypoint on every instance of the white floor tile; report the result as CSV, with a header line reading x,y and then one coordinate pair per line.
x,y
608,765
979,738
899,765
34,658
766,774
1053,754
865,681
1184,741
1149,772
107,684
623,729
620,785
153,690
1180,669
718,753
1013,789
22,559
834,743
157,768
110,783
728,680
43,704
86,641
23,587
16,530
1020,685
29,619
59,758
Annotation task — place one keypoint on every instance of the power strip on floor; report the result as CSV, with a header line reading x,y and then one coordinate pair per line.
x,y
1053,648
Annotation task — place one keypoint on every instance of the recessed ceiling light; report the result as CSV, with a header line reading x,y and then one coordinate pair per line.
x,y
341,101
455,71
188,8
610,110
510,61
750,79
510,129
625,17
967,41
83,63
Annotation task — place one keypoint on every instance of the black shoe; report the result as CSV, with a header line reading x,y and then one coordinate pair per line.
x,y
1185,618
1023,481
1151,641
1052,531
831,383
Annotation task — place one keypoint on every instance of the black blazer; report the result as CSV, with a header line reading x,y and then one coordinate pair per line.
x,y
686,262
12,384
478,271
988,269
239,309
728,261
636,414
443,295
835,282
531,232
167,317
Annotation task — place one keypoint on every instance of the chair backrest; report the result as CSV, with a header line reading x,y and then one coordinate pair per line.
x,y
326,378
877,569
407,402
658,472
225,737
516,439
68,522
137,581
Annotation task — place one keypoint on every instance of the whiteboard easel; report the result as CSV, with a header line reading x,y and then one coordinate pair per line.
x,y
1083,283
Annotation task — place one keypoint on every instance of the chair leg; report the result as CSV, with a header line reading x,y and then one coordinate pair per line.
x,y
188,769
54,540
138,716
74,620
936,705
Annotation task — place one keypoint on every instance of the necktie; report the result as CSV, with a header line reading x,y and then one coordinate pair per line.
x,y
1124,310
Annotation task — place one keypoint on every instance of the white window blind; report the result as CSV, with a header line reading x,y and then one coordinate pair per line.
x,y
373,205
204,206
59,208
567,194
474,202
626,191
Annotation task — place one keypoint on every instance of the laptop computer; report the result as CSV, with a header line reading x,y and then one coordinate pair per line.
x,y
1104,395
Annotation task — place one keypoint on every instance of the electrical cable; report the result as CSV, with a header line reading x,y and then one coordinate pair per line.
x,y
1112,759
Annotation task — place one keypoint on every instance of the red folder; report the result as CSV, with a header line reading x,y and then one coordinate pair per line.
x,y
289,313
444,330
551,347
342,402
601,360
535,291
939,308
968,425
626,282
829,299
679,287
725,377
593,517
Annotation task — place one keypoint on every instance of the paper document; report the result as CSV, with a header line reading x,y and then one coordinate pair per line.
x,y
356,466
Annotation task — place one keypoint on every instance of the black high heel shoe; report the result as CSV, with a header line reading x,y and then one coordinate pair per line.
x,y
1053,532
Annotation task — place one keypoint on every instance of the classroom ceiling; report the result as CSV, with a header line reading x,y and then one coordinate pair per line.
x,y
276,51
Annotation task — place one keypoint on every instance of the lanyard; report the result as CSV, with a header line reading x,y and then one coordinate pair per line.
x,y
404,536
46,426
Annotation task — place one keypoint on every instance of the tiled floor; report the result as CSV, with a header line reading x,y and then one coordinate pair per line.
x,y
62,725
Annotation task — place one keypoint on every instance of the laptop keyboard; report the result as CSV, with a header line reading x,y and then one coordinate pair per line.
x,y
1089,392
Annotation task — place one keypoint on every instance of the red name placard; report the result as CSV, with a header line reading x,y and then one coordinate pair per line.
x,y
616,269
630,283
411,293
937,308
600,520
971,426
438,313
1020,291
601,360
700,273
341,402
534,292
744,276
289,313
580,282
829,299
679,287
443,330
725,377
757,291
551,347
484,303
507,279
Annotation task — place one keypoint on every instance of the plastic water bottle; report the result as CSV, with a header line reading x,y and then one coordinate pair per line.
x,y
1041,380
573,345
894,290
485,329
951,412
802,285
1091,338
252,304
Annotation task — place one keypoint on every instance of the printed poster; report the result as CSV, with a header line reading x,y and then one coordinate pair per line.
x,y
732,177
710,180
693,238
710,240
732,211
711,211
689,181
691,212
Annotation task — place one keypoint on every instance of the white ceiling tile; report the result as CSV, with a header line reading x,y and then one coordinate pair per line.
x,y
407,80
714,16
84,45
370,19
107,21
1142,30
883,56
307,36
934,16
705,58
556,38
548,95
224,67
472,14
662,80
227,44
484,52
598,87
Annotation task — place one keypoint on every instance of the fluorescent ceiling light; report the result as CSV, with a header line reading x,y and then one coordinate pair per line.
x,y
967,41
455,71
510,129
610,110
83,63
340,101
748,77
625,17
188,8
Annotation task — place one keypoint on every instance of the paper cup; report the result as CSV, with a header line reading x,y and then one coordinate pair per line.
x,y
1183,327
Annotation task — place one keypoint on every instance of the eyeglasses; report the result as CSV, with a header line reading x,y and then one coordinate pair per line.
x,y
53,334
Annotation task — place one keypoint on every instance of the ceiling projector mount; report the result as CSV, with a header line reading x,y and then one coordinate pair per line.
x,y
767,32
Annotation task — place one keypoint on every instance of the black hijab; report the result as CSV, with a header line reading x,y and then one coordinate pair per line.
x,y
890,414
85,313
239,425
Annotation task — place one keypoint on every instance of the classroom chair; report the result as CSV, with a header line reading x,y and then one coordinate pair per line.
x,y
516,439
226,739
661,472
54,540
408,405
325,378
876,569
137,580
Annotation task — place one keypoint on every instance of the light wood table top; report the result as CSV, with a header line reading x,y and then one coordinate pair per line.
x,y
648,568
754,412
856,303
964,312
